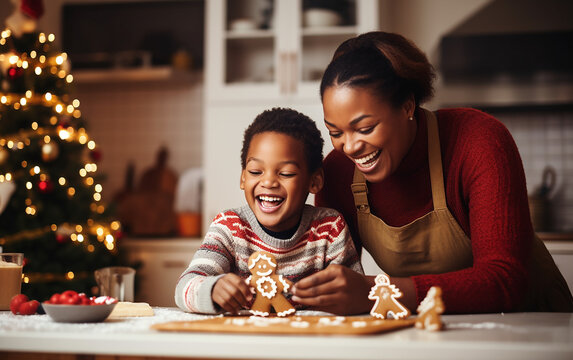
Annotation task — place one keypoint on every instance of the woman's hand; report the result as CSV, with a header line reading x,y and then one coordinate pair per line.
x,y
231,293
336,289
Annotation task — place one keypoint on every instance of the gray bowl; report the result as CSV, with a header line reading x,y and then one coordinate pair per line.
x,y
78,313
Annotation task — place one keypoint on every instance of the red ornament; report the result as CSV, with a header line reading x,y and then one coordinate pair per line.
x,y
62,238
32,8
95,154
14,73
45,186
119,235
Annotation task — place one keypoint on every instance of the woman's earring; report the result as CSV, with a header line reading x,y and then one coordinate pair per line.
x,y
411,118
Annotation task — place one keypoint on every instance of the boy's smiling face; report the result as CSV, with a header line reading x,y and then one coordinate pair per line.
x,y
276,180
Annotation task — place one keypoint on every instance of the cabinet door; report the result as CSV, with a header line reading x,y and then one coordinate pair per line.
x,y
162,263
316,43
240,49
260,49
562,253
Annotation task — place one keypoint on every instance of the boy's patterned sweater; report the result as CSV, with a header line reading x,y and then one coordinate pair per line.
x,y
322,238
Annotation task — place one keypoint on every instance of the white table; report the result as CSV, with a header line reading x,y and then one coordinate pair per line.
x,y
488,336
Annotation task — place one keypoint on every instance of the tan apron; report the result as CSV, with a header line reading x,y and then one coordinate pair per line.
x,y
435,243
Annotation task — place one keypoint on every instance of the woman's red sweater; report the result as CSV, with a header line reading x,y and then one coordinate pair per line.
x,y
485,191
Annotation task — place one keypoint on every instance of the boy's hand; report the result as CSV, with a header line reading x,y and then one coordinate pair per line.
x,y
336,289
231,293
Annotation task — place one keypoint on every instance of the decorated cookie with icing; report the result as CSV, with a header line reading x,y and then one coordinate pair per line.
x,y
268,286
386,304
430,310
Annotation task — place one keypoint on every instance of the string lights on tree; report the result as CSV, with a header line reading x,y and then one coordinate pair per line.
x,y
51,205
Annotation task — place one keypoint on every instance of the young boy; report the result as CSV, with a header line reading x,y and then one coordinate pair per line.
x,y
281,163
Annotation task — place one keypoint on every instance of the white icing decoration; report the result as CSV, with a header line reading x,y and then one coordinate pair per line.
x,y
259,313
266,273
284,282
261,289
382,279
389,291
429,325
264,321
239,322
428,302
337,321
300,324
286,312
254,319
358,324
377,315
264,257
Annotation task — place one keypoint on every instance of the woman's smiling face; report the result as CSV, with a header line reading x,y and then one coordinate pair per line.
x,y
276,180
370,131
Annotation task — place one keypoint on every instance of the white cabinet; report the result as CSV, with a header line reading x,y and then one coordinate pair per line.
x,y
259,49
161,261
562,252
251,70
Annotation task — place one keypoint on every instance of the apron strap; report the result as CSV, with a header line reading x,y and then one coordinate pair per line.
x,y
435,159
360,190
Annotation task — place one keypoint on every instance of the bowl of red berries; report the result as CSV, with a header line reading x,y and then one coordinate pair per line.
x,y
72,307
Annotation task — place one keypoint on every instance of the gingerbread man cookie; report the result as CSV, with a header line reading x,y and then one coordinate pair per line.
x,y
385,295
268,286
430,309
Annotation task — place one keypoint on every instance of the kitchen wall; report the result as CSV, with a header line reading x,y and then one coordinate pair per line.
x,y
425,22
131,121
545,138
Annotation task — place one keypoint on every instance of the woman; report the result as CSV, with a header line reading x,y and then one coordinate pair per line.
x,y
438,199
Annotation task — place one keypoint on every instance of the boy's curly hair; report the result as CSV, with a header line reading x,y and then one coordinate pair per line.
x,y
289,122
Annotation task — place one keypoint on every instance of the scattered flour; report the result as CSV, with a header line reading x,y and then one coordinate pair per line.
x,y
10,322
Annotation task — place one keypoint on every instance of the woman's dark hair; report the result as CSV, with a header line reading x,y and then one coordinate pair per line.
x,y
387,63
292,123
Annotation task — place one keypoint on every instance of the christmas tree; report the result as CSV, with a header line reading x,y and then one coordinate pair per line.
x,y
51,206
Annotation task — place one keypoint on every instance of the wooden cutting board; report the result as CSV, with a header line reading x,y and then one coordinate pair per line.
x,y
129,309
293,325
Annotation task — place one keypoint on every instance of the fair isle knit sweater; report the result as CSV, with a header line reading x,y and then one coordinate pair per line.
x,y
322,238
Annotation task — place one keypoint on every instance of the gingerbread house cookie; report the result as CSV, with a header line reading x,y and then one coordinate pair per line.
x,y
386,295
268,286
430,310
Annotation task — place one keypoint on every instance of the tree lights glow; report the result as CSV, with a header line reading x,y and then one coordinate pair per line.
x,y
47,156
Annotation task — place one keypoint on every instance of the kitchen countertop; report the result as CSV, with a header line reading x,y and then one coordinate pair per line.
x,y
483,336
549,237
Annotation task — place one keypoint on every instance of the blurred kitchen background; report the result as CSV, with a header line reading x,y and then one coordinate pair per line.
x,y
167,88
